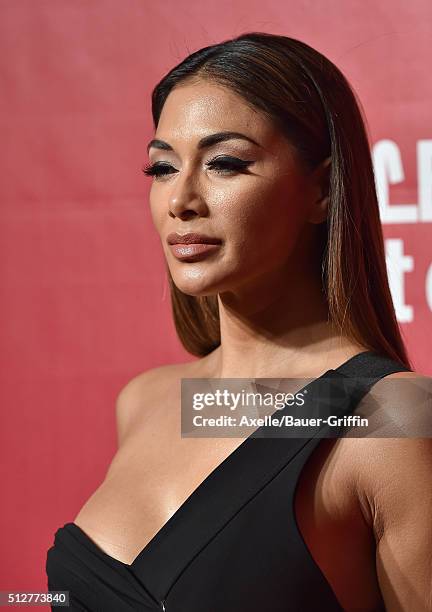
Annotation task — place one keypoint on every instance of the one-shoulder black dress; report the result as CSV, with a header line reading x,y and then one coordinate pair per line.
x,y
234,544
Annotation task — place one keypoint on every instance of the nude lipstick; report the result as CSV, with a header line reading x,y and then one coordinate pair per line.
x,y
192,246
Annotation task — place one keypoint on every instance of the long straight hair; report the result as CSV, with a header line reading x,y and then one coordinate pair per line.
x,y
311,102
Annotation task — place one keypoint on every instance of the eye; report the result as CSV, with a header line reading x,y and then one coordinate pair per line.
x,y
224,165
158,169
228,165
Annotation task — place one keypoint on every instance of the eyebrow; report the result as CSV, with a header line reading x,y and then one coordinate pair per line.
x,y
207,141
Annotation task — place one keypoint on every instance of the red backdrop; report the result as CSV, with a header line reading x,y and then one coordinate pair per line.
x,y
84,306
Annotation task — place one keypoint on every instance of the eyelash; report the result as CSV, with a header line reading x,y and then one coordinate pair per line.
x,y
225,164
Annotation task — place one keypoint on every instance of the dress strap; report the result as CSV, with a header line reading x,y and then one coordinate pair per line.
x,y
358,375
370,364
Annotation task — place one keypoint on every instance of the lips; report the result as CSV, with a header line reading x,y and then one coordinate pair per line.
x,y
191,238
192,247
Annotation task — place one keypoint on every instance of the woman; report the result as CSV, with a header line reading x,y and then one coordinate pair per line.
x,y
261,150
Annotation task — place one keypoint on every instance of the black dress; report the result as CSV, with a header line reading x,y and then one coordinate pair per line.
x,y
234,544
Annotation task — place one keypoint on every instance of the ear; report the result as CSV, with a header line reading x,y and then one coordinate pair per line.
x,y
320,178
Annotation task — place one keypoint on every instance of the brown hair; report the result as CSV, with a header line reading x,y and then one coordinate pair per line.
x,y
314,106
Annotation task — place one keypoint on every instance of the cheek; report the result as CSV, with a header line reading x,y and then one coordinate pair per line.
x,y
157,212
264,214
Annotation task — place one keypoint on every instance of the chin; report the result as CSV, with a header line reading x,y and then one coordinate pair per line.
x,y
197,282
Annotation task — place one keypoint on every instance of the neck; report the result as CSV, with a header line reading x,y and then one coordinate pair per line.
x,y
278,330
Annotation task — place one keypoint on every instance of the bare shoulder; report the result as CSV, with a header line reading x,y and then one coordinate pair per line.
x,y
151,387
140,392
394,461
394,490
392,486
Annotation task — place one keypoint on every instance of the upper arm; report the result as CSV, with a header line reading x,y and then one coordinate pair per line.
x,y
398,485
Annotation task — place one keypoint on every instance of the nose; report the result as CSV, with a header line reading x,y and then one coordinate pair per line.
x,y
185,199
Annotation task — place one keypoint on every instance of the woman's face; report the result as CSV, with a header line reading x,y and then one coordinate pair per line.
x,y
250,192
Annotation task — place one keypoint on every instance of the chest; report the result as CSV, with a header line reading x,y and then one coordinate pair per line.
x,y
156,472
